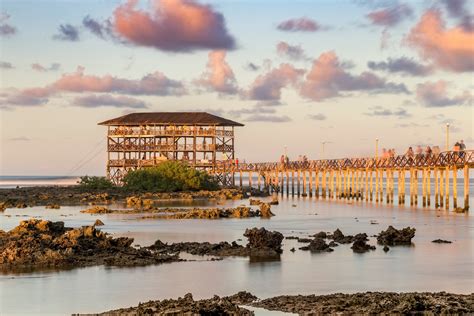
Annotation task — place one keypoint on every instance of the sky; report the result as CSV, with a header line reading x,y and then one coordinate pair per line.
x,y
296,73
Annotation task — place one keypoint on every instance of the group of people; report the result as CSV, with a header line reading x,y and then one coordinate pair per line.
x,y
147,130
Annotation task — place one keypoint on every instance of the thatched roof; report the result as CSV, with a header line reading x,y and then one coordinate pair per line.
x,y
167,118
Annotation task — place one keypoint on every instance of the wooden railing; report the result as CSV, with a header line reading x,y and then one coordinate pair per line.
x,y
169,133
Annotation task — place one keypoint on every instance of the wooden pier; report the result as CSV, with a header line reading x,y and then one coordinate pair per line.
x,y
376,180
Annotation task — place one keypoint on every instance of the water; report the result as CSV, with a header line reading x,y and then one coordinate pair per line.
x,y
423,267
29,181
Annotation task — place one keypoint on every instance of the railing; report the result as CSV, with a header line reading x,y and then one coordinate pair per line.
x,y
153,162
444,159
169,133
161,147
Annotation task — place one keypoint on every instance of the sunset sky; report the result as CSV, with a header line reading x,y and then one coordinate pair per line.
x,y
296,73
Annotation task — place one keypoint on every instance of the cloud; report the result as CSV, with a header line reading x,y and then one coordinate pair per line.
x,y
384,112
299,25
268,118
6,65
292,52
77,82
151,84
96,27
41,68
317,117
67,32
172,25
412,124
20,139
257,109
252,67
435,94
449,49
328,78
93,101
458,9
6,29
268,86
402,65
218,76
390,16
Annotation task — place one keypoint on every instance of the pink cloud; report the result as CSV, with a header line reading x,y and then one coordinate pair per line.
x,y
268,86
294,52
219,76
435,94
450,49
41,68
390,16
299,25
172,25
328,78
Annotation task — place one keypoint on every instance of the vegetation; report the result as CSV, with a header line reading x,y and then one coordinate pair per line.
x,y
95,183
169,176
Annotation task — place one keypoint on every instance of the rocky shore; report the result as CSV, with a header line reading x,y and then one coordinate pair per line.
x,y
368,303
45,244
54,197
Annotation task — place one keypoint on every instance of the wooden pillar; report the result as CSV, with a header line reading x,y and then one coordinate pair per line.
x,y
240,178
441,188
304,182
416,187
258,180
423,185
446,186
292,182
316,192
250,179
287,183
411,186
466,187
310,183
455,187
428,187
298,182
435,172
323,183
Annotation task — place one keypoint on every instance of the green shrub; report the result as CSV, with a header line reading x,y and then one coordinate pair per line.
x,y
95,183
169,176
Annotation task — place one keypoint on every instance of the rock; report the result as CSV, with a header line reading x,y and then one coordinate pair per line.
x,y
265,210
97,210
442,241
339,237
292,249
332,243
148,204
134,201
360,244
254,202
21,205
229,305
274,200
98,222
260,238
386,248
320,235
393,236
3,206
317,245
53,206
38,243
303,240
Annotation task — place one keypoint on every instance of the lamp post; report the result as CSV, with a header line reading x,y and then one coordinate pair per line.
x,y
324,143
447,136
376,148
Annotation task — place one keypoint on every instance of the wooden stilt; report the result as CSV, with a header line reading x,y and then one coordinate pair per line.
x,y
455,187
446,186
466,187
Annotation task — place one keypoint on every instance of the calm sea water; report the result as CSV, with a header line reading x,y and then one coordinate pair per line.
x,y
28,181
423,267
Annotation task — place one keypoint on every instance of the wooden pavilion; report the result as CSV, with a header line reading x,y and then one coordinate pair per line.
x,y
139,140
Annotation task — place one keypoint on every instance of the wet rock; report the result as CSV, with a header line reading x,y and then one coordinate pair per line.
x,y
53,206
134,201
386,248
260,238
320,235
148,204
265,210
292,237
372,303
339,237
393,236
293,249
332,243
98,222
21,205
38,243
3,206
97,210
303,240
317,245
255,202
442,241
228,305
360,244
274,201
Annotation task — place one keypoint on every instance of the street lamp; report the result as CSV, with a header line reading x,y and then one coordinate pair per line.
x,y
376,148
323,143
447,136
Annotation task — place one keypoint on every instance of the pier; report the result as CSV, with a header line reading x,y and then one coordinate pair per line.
x,y
378,180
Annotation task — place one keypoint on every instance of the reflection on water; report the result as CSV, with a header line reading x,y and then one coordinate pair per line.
x,y
425,266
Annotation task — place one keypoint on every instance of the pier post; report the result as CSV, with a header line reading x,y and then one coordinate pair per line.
x,y
310,183
428,187
446,186
441,188
304,183
323,183
240,178
287,183
436,201
282,183
298,182
250,180
259,180
316,189
466,187
423,185
455,187
416,187
411,186
292,182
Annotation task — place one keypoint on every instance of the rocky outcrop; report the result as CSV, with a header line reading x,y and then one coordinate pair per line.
x,y
228,305
40,243
372,303
53,206
317,245
360,244
97,210
98,222
393,236
441,241
262,239
339,237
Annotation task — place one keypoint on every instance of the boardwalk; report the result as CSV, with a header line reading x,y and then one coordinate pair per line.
x,y
372,179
